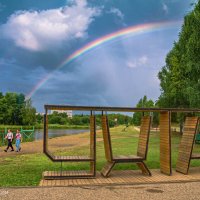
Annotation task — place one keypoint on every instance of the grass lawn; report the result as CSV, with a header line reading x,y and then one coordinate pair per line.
x,y
26,170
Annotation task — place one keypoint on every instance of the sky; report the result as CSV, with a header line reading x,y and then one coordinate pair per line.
x,y
87,52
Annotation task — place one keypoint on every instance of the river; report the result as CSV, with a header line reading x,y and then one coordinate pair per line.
x,y
57,132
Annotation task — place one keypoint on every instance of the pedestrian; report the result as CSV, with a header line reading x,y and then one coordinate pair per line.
x,y
9,137
18,141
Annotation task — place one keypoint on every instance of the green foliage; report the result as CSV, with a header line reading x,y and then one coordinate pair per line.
x,y
80,120
39,118
144,103
116,119
29,113
84,120
179,78
15,110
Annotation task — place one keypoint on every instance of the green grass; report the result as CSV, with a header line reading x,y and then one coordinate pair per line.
x,y
15,127
41,126
68,126
26,170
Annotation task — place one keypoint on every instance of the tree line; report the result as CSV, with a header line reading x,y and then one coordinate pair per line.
x,y
16,110
84,119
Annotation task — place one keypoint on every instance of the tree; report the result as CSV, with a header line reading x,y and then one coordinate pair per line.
x,y
143,103
179,78
39,118
29,113
14,109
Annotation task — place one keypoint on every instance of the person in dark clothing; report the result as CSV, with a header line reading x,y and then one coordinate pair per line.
x,y
9,137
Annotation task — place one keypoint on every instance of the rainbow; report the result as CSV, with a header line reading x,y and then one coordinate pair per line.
x,y
129,31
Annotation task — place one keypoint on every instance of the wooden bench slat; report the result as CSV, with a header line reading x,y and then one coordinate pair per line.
x,y
141,151
186,145
196,156
133,157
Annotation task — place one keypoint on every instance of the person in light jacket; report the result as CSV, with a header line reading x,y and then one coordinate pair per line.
x,y
18,141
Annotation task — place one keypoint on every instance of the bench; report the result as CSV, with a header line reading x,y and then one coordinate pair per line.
x,y
186,145
141,150
165,143
68,158
60,158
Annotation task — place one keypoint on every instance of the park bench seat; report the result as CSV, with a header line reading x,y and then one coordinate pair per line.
x,y
73,158
130,158
196,156
186,145
141,151
70,158
49,175
91,158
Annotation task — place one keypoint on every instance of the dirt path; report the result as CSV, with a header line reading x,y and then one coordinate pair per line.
x,y
64,142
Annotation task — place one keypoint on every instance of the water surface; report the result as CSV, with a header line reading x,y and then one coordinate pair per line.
x,y
38,135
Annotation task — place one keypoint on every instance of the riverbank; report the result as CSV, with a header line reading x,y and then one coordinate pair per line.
x,y
55,144
41,126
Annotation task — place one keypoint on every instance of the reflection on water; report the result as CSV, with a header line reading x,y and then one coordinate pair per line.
x,y
57,132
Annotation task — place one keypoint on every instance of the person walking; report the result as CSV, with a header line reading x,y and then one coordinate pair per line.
x,y
18,141
9,137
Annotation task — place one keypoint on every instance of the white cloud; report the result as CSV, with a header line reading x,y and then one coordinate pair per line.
x,y
137,62
131,64
117,12
41,30
143,60
165,8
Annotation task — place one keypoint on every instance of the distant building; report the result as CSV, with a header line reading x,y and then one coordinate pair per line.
x,y
68,112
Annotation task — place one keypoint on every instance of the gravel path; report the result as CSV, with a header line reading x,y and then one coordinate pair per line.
x,y
179,191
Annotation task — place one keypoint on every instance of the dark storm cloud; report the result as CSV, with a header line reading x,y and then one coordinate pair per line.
x,y
117,74
100,79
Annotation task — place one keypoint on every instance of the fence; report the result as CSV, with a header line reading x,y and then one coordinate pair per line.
x,y
27,135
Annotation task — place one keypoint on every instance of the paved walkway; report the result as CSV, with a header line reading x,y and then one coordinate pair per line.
x,y
177,191
157,187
